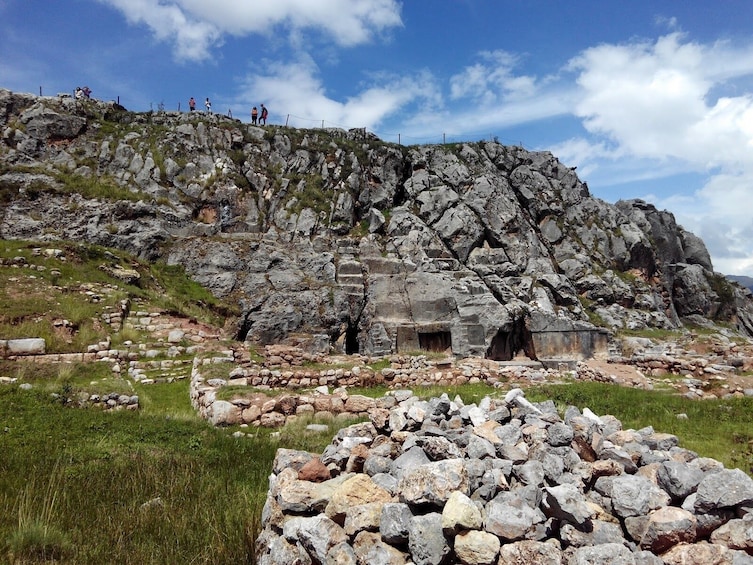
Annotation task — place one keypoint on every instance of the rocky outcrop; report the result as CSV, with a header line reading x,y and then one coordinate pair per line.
x,y
476,248
504,481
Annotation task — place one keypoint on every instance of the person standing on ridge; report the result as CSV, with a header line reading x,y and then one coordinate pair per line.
x,y
254,115
192,104
208,105
263,118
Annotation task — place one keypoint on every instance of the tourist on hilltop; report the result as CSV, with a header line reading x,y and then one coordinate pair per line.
x,y
254,115
192,104
263,117
82,93
208,105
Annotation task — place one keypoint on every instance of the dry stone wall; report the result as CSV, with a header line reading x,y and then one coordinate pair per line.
x,y
283,373
276,395
504,481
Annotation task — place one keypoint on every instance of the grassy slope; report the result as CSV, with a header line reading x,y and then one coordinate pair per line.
x,y
37,289
88,475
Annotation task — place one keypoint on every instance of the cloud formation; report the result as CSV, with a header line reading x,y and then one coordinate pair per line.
x,y
195,27
492,80
657,99
672,106
300,98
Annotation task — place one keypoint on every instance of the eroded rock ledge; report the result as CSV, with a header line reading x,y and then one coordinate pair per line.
x,y
504,481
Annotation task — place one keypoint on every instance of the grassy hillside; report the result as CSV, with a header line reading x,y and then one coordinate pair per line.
x,y
59,291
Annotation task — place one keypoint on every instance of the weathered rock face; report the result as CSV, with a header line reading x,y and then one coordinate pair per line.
x,y
504,481
479,248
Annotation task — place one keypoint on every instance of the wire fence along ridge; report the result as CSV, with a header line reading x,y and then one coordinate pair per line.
x,y
291,120
295,121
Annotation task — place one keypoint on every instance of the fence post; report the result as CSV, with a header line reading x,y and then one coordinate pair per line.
x,y
398,139
286,120
40,91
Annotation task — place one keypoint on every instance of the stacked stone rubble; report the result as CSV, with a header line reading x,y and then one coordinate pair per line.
x,y
504,481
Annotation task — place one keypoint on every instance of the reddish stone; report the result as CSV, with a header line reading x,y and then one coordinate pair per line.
x,y
314,471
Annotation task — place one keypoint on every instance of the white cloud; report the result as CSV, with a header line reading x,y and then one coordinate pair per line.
x,y
723,220
294,92
196,26
348,22
653,109
192,38
652,99
492,80
487,96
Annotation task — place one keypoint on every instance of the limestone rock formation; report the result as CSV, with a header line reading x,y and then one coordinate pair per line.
x,y
338,241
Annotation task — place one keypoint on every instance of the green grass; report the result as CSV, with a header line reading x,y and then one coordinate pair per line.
x,y
720,429
159,486
100,188
46,290
37,538
67,378
130,487
650,333
168,400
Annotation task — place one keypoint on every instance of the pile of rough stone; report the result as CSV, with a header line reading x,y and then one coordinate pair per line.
x,y
503,482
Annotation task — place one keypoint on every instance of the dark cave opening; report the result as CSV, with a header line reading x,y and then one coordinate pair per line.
x,y
435,341
243,328
506,344
352,346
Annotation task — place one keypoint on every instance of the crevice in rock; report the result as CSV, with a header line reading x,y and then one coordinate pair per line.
x,y
352,345
245,324
401,195
508,342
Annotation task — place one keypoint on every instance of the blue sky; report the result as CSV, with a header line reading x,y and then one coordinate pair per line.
x,y
649,99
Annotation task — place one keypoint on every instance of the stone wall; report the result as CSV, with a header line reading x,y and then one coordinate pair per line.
x,y
505,481
294,391
285,372
280,388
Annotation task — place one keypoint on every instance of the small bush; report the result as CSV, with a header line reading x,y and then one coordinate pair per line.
x,y
38,542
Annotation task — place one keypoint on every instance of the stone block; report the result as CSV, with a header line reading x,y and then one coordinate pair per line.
x,y
26,346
